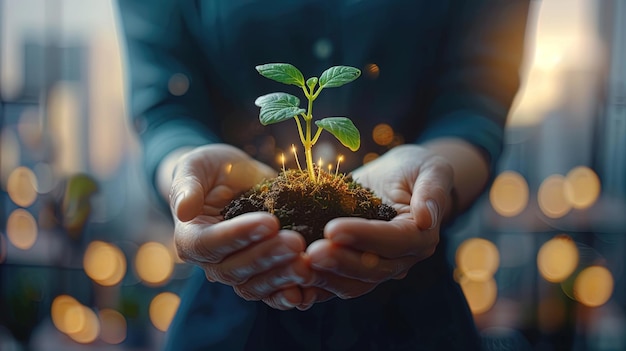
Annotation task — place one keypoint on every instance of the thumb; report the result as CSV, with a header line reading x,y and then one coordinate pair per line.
x,y
186,195
430,193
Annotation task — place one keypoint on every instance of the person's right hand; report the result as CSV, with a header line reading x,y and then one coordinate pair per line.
x,y
247,252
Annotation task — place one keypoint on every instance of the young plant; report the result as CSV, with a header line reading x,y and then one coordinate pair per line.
x,y
278,107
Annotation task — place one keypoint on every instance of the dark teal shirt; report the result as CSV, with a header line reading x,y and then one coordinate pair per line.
x,y
444,68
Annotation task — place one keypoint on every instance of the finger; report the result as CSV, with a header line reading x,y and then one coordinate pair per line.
x,y
312,295
201,243
266,283
364,266
430,193
342,287
210,166
389,239
258,258
285,299
187,192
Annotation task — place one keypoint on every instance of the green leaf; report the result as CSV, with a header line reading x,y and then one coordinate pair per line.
x,y
311,82
282,73
343,129
277,107
337,76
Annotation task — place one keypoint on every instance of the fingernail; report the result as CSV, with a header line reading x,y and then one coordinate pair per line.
x,y
282,253
243,272
304,307
285,302
289,275
433,208
259,233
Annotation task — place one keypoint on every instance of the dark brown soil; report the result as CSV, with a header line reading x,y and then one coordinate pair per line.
x,y
306,206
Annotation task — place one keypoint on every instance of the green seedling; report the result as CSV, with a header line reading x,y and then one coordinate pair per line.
x,y
278,107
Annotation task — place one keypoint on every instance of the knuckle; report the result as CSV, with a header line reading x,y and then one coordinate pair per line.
x,y
190,248
203,254
228,277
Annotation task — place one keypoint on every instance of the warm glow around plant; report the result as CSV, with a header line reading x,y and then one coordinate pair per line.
x,y
278,107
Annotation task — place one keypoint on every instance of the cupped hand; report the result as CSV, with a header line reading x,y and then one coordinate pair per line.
x,y
247,252
358,254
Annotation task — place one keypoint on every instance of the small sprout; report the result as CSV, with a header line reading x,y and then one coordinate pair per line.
x,y
282,159
293,149
319,168
339,159
278,107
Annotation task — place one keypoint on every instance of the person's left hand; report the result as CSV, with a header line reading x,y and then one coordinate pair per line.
x,y
357,254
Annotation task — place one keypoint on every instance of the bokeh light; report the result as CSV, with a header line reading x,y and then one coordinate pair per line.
x,y
22,186
382,134
369,157
22,229
372,70
154,263
61,307
113,326
551,197
582,187
178,84
162,309
74,319
557,258
104,263
480,295
593,286
509,194
477,259
89,327
323,48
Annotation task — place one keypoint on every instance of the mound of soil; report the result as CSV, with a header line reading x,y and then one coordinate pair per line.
x,y
306,206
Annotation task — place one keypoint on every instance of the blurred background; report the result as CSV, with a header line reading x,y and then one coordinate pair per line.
x,y
87,261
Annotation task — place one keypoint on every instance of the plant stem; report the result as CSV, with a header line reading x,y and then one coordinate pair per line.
x,y
308,144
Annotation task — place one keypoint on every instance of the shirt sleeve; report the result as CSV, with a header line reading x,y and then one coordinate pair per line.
x,y
480,74
169,101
